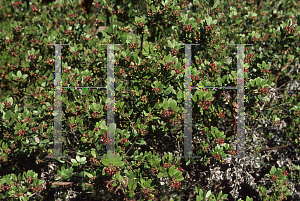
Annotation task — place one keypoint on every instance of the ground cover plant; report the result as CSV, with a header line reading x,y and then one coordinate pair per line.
x,y
149,103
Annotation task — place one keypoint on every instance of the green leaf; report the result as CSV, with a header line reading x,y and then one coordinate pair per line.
x,y
9,115
142,182
208,194
224,196
93,153
131,194
187,163
194,98
172,103
148,183
258,81
219,80
134,185
78,158
119,87
142,142
177,174
83,159
273,169
130,184
14,188
19,74
170,157
179,95
220,193
105,162
149,156
130,112
30,173
201,94
180,178
45,141
40,58
171,170
168,90
85,91
160,174
116,164
24,76
62,28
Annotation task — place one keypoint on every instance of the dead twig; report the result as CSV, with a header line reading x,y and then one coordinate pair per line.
x,y
282,69
67,184
272,148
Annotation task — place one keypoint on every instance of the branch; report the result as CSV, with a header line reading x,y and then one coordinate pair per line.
x,y
135,128
282,69
67,184
46,78
44,135
141,44
137,8
227,44
83,104
50,17
241,24
205,74
121,188
272,148
4,31
87,100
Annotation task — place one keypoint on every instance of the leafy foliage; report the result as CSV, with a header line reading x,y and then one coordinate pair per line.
x,y
150,94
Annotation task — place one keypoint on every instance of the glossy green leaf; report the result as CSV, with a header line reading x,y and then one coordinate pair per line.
x,y
171,170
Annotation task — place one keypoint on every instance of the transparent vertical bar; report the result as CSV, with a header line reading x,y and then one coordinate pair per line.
x,y
57,105
110,146
240,118
188,129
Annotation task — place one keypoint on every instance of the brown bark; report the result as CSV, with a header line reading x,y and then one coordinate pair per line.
x,y
272,148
